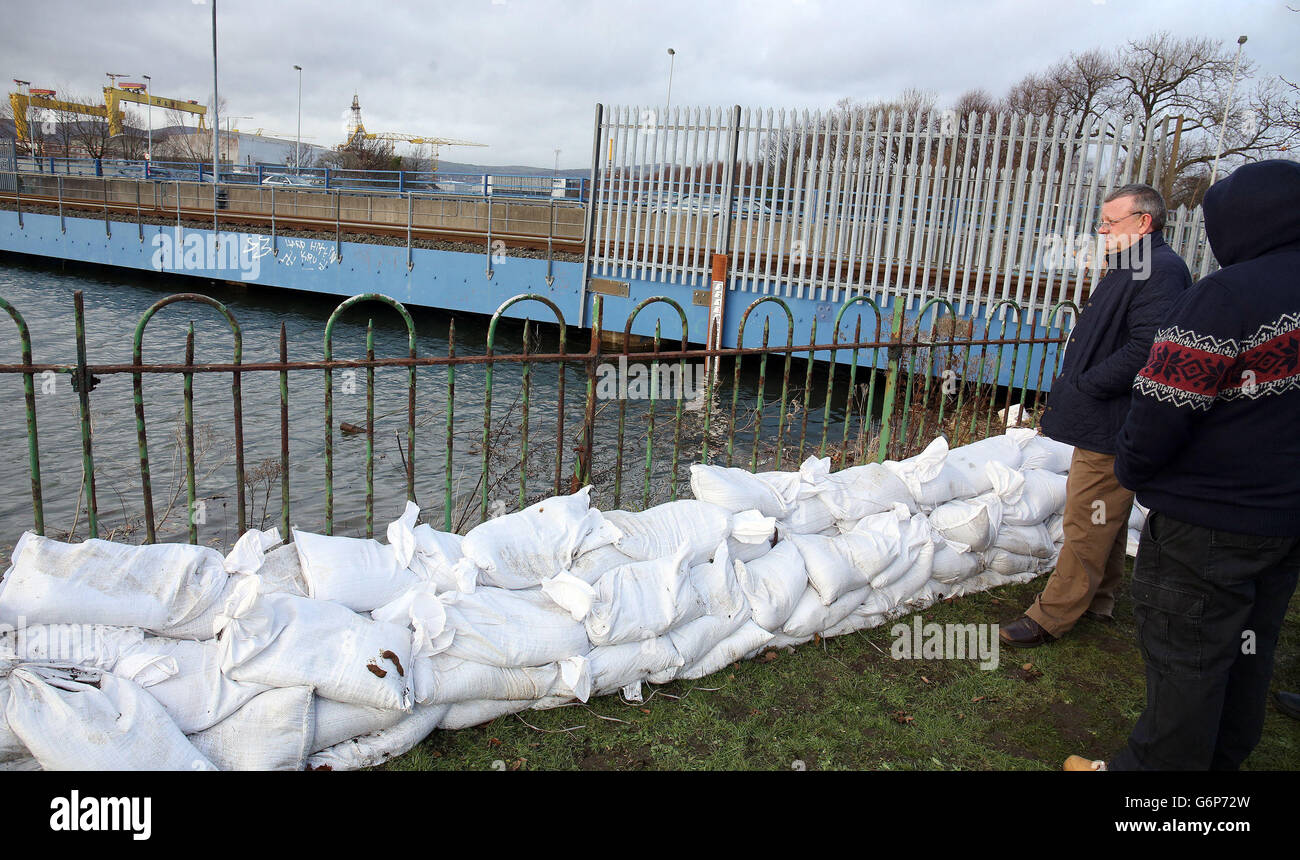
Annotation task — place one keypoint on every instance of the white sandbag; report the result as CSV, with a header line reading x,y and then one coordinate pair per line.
x,y
159,587
773,584
839,565
185,677
96,646
378,747
1008,563
1028,497
856,620
452,679
571,593
748,638
438,559
1042,452
643,599
281,572
725,604
1056,528
1026,540
13,752
930,479
249,552
969,524
747,552
716,585
358,573
664,529
900,589
86,719
285,641
751,527
520,550
861,491
465,715
591,566
971,459
272,731
336,722
770,493
914,535
511,628
952,566
616,666
811,616
806,516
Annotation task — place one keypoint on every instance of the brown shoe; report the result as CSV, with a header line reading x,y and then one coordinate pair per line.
x,y
1097,616
1025,632
1078,762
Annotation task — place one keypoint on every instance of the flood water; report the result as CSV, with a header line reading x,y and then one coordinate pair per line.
x,y
114,302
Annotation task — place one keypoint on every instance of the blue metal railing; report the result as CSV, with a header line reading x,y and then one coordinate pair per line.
x,y
538,186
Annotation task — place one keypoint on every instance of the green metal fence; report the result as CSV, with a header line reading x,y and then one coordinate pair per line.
x,y
881,391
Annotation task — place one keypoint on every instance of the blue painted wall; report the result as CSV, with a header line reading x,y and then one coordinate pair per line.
x,y
457,281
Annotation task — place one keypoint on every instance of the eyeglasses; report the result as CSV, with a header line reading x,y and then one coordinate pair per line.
x,y
1104,225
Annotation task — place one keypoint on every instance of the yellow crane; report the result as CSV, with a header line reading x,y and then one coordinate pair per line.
x,y
110,110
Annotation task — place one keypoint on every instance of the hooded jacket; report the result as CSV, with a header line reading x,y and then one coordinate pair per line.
x,y
1213,435
1110,343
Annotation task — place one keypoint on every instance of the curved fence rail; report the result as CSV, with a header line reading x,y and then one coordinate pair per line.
x,y
903,384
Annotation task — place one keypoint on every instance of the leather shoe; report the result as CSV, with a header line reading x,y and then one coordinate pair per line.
x,y
1288,703
1078,762
1025,632
1097,616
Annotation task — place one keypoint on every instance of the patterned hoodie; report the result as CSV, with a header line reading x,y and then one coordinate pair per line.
x,y
1213,434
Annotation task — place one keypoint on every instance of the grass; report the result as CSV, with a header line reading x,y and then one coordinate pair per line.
x,y
844,703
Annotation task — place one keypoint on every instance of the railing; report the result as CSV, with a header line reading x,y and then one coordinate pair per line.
x,y
523,186
975,208
767,407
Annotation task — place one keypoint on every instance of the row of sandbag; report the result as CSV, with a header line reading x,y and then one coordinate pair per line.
x,y
331,639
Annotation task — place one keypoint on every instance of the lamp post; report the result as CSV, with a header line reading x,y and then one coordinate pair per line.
x,y
297,147
216,121
672,56
1214,170
148,98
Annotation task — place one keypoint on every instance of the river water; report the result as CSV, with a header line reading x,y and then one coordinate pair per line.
x,y
114,303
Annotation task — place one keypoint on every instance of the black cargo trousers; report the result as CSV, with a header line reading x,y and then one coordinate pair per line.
x,y
1209,606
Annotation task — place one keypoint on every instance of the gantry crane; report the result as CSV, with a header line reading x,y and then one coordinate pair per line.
x,y
110,110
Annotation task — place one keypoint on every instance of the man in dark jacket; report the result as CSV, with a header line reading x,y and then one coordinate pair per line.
x,y
1212,446
1087,406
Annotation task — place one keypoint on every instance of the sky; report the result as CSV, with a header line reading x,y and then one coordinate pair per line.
x,y
524,76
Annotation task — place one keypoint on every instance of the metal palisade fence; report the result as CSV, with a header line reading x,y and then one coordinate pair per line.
x,y
629,422
975,209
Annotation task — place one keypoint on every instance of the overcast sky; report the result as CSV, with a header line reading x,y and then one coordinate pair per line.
x,y
524,75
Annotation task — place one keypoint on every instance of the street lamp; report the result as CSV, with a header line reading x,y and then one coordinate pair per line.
x,y
672,56
148,98
1214,170
297,147
216,122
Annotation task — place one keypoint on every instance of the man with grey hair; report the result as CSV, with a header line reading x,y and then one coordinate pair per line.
x,y
1087,406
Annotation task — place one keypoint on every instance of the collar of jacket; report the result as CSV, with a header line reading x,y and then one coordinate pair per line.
x,y
1113,261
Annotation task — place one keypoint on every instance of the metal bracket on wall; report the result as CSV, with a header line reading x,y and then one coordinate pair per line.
x,y
488,273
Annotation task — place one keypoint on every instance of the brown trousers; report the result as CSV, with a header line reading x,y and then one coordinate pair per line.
x,y
1091,563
